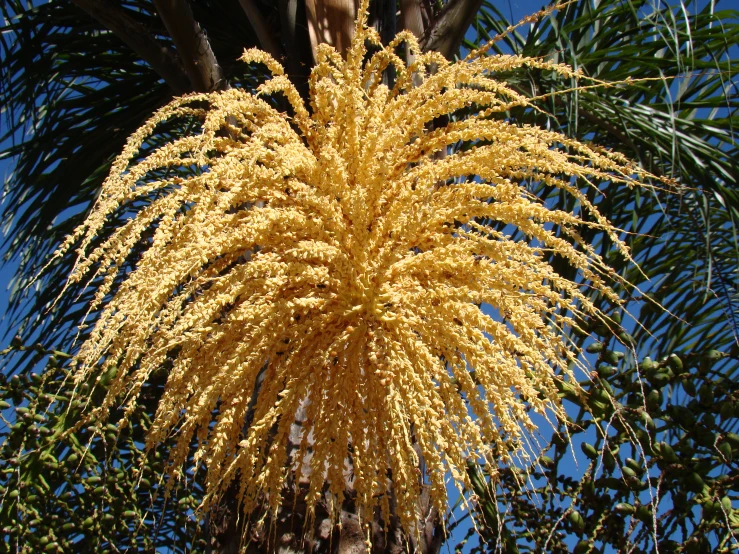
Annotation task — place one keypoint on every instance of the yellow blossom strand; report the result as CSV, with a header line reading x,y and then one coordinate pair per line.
x,y
344,261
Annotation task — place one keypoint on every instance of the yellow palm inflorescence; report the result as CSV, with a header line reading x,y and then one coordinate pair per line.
x,y
347,260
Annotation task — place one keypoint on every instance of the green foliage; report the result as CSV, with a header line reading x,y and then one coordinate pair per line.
x,y
657,464
71,488
680,123
655,440
71,93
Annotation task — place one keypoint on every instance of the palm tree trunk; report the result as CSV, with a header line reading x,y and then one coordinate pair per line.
x,y
230,534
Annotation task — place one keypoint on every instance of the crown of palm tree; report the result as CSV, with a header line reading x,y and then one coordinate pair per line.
x,y
349,261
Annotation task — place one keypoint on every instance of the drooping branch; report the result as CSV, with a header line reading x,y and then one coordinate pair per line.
x,y
192,45
447,31
139,39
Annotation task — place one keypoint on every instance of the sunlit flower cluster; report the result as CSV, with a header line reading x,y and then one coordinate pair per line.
x,y
350,261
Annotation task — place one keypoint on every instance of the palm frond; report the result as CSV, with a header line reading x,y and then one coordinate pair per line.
x,y
72,92
678,119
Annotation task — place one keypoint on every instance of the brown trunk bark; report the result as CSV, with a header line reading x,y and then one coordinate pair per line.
x,y
331,22
231,534
192,45
446,33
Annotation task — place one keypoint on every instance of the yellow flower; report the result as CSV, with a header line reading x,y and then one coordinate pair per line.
x,y
351,261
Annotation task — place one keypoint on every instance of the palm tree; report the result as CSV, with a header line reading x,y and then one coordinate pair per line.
x,y
81,77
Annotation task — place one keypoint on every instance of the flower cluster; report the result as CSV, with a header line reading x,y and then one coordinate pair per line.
x,y
350,261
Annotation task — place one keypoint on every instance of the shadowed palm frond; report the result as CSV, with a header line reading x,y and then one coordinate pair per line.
x,y
72,92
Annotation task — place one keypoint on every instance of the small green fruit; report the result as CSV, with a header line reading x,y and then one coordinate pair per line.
x,y
589,450
628,472
725,449
675,363
594,348
726,504
694,482
624,508
576,519
643,513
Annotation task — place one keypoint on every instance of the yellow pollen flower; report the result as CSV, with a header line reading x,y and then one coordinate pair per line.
x,y
351,261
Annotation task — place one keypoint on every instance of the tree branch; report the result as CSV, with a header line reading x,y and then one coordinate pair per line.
x,y
135,35
192,45
296,43
411,17
447,32
264,35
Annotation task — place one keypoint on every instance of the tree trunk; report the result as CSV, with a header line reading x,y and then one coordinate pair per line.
x,y
230,534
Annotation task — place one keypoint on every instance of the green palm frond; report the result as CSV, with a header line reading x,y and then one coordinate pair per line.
x,y
682,122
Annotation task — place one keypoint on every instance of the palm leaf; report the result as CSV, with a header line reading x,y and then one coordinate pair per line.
x,y
72,92
681,123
